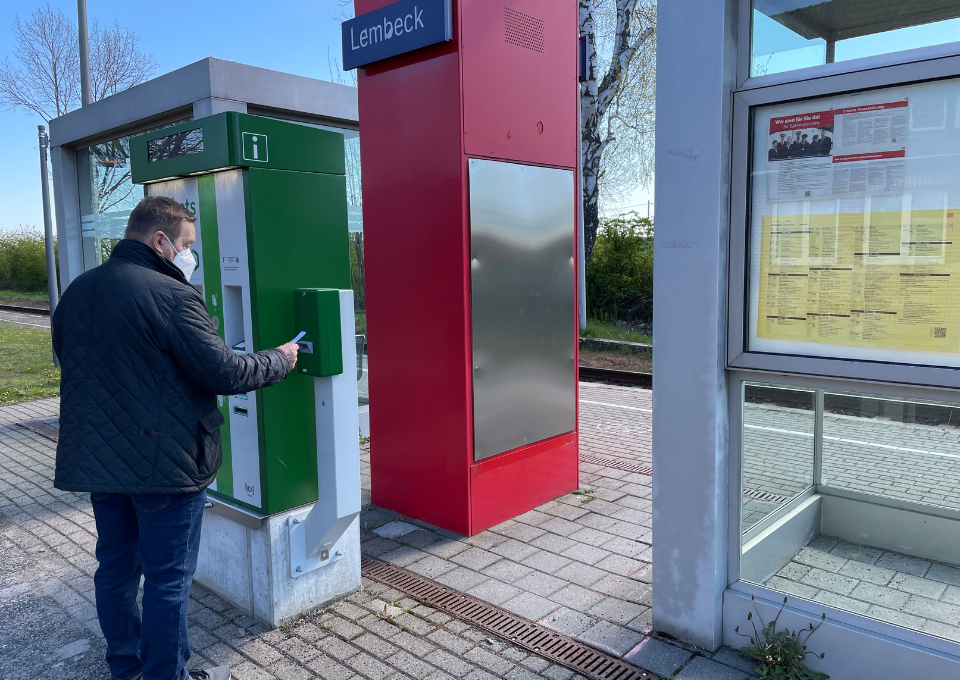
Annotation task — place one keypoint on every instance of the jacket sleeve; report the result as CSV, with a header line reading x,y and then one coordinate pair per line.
x,y
209,363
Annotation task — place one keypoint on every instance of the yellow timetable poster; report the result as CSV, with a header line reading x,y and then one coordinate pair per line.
x,y
888,280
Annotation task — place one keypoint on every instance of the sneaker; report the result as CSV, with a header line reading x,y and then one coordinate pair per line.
x,y
217,673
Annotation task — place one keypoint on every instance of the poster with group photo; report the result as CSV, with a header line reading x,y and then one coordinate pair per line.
x,y
855,226
839,152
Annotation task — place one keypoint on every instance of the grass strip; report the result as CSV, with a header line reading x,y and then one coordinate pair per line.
x,y
26,364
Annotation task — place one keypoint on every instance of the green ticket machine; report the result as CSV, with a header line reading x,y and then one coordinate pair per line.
x,y
272,247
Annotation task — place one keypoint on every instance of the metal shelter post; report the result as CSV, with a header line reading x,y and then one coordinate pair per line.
x,y
85,95
48,226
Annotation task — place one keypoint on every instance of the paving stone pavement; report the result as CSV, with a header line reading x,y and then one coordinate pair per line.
x,y
579,564
908,591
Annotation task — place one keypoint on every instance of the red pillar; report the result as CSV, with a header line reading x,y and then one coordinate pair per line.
x,y
505,88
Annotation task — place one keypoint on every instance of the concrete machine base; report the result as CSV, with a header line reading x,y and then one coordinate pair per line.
x,y
250,567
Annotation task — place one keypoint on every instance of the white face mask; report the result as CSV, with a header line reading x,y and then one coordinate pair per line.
x,y
185,260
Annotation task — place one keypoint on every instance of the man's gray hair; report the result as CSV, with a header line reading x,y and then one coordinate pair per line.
x,y
157,213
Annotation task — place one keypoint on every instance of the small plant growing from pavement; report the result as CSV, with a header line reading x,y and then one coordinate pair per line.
x,y
587,493
780,654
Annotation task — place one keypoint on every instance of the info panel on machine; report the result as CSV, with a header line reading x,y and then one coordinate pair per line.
x,y
854,228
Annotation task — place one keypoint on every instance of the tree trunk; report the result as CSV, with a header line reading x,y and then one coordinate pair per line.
x,y
596,95
592,151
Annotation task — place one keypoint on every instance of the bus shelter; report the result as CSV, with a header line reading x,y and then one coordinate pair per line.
x,y
807,334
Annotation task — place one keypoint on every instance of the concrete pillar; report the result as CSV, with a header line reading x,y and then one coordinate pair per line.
x,y
66,203
696,69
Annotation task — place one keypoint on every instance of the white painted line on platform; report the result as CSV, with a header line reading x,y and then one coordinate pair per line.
x,y
24,323
603,403
777,429
844,440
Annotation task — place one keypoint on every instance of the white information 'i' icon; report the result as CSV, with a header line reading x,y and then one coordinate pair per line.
x,y
255,147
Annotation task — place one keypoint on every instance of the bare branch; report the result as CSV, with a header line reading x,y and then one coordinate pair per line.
x,y
116,62
44,74
45,77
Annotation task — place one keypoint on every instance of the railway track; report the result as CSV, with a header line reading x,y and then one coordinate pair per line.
x,y
25,310
611,375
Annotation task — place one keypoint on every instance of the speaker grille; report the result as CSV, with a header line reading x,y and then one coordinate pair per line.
x,y
522,30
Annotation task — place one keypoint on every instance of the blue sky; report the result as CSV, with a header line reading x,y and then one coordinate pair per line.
x,y
293,36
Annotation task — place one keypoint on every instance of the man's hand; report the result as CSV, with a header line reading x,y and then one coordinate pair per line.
x,y
290,351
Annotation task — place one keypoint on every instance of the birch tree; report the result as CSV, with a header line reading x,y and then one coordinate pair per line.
x,y
616,103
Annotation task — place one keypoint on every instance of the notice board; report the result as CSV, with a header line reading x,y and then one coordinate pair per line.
x,y
855,226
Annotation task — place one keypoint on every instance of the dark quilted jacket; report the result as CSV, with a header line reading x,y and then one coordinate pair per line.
x,y
142,368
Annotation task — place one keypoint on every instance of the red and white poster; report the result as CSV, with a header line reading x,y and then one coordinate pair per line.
x,y
839,152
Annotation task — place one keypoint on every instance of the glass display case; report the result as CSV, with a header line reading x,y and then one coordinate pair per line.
x,y
854,226
853,500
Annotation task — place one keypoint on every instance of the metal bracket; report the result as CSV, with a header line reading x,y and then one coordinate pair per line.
x,y
300,563
243,517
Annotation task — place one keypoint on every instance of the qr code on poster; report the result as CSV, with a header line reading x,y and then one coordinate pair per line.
x,y
938,332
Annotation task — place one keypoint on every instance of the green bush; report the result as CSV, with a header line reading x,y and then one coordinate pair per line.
x,y
23,264
620,272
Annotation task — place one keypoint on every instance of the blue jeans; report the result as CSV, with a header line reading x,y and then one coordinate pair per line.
x,y
158,536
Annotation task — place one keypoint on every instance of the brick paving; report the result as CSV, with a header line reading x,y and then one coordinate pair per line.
x,y
908,591
579,564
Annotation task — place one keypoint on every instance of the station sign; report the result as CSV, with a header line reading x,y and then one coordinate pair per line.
x,y
398,28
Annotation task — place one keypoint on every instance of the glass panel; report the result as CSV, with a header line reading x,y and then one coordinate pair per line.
x,y
184,143
778,451
898,450
792,34
355,215
855,226
881,535
107,195
106,198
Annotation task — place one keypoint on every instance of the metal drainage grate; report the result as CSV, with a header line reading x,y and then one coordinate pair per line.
x,y
757,495
41,428
533,637
619,465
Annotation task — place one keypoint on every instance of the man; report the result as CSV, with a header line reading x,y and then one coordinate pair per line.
x,y
826,145
796,148
139,429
